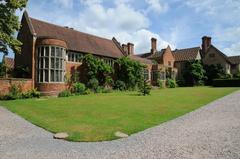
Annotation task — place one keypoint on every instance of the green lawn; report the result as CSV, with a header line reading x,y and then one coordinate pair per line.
x,y
96,117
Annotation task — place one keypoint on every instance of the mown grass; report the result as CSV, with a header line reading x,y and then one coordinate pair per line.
x,y
97,117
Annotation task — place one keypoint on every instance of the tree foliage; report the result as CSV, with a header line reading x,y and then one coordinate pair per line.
x,y
194,73
215,72
9,24
145,88
130,72
95,68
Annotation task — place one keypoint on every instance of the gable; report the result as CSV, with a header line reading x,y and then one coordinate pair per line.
x,y
168,58
214,56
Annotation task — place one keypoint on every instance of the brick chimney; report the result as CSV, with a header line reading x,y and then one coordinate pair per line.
x,y
153,45
130,49
125,48
206,43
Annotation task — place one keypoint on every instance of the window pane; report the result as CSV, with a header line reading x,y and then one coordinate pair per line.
x,y
61,53
60,74
42,51
69,56
46,62
72,57
52,62
46,75
61,64
41,62
53,51
47,51
57,64
57,51
41,75
52,75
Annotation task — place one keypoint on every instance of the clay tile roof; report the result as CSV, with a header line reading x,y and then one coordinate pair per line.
x,y
140,59
234,59
77,41
186,54
9,62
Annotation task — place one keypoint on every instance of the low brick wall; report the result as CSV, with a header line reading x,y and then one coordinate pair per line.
x,y
5,84
51,89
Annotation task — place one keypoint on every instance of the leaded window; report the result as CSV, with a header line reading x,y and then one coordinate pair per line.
x,y
50,64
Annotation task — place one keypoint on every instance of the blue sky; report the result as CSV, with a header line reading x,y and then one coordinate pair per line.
x,y
178,23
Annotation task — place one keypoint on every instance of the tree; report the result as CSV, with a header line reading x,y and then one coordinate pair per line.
x,y
130,72
9,25
145,88
194,73
214,72
96,68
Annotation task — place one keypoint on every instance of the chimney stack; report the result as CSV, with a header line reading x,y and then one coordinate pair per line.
x,y
153,45
130,49
125,48
206,43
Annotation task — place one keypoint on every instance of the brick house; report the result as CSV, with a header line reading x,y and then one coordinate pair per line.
x,y
163,62
53,52
182,56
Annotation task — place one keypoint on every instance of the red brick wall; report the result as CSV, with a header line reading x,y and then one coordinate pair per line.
x,y
24,35
5,84
168,57
51,89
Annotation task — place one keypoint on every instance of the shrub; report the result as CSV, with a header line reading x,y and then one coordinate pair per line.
x,y
107,90
33,93
65,93
87,91
93,84
226,83
237,76
171,83
160,83
130,72
109,81
120,85
145,88
79,88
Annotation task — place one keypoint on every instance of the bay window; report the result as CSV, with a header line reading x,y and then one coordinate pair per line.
x,y
50,64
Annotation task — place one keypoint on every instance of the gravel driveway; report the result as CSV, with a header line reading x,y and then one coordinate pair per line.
x,y
212,131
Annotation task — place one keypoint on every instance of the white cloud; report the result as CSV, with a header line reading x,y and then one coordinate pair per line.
x,y
121,21
229,36
234,49
156,6
64,3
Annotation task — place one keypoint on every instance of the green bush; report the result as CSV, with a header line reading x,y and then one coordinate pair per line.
x,y
160,83
120,85
237,76
145,88
107,90
87,91
33,93
93,84
226,82
79,88
65,93
171,83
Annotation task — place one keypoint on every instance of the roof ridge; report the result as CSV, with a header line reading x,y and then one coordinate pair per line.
x,y
187,48
88,34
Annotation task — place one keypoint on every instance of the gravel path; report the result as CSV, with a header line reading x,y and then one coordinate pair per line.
x,y
212,131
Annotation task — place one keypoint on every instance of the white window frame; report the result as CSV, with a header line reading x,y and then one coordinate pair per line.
x,y
43,69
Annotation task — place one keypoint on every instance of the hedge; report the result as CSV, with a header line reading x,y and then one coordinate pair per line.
x,y
226,83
